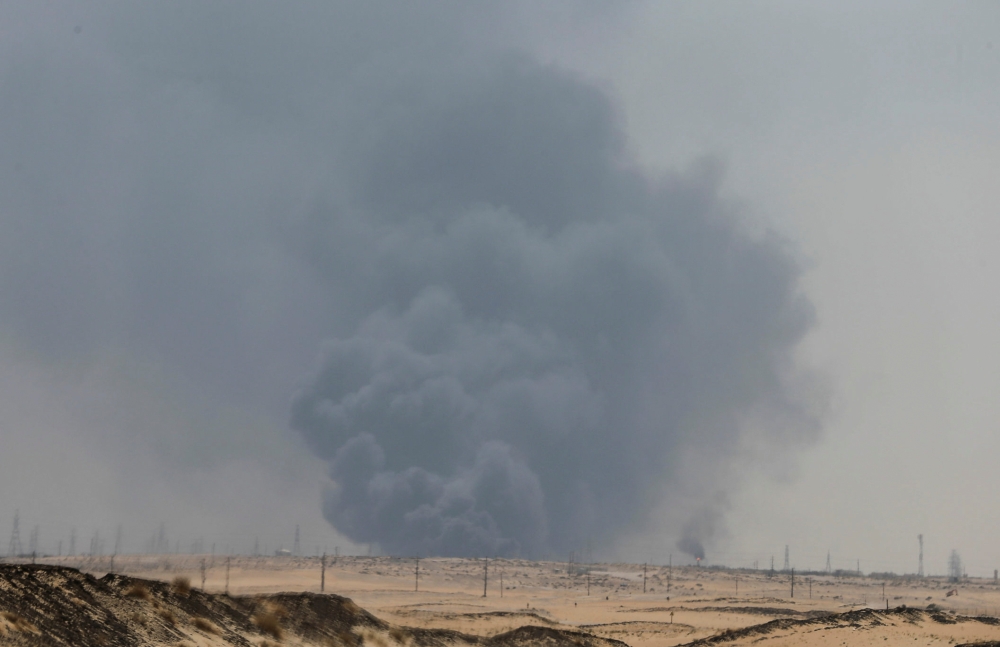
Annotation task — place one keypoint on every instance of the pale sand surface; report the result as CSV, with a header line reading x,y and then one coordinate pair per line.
x,y
702,602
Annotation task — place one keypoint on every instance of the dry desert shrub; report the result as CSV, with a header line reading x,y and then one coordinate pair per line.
x,y
399,635
182,585
18,623
139,591
344,639
205,625
139,619
167,615
270,623
370,637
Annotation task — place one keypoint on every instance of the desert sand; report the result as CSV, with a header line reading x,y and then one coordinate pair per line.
x,y
716,606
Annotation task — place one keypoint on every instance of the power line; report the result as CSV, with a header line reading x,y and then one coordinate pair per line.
x,y
14,548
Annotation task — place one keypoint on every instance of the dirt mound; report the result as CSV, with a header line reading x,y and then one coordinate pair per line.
x,y
535,636
51,606
859,619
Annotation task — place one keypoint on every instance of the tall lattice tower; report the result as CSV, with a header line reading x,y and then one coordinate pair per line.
x,y
920,567
14,548
788,566
828,569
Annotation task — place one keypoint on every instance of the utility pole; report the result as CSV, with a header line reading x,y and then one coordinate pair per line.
x,y
14,548
643,578
810,589
416,576
227,575
793,582
737,586
920,567
668,580
486,570
501,582
670,572
859,568
883,591
828,569
203,575
322,573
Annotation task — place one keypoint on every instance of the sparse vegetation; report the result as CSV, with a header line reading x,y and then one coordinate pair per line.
x,y
181,585
399,635
139,591
18,623
167,615
205,625
270,623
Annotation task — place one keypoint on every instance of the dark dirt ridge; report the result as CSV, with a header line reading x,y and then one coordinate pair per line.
x,y
54,606
748,610
859,618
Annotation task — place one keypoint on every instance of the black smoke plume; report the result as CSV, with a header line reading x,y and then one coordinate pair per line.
x,y
548,331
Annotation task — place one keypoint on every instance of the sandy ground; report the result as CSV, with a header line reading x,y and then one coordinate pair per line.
x,y
700,603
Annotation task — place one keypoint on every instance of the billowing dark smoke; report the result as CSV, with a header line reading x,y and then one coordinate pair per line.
x,y
548,333
700,527
525,343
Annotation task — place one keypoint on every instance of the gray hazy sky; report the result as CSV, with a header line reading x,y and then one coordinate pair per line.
x,y
208,211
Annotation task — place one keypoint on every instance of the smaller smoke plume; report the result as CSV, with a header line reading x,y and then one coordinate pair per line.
x,y
701,527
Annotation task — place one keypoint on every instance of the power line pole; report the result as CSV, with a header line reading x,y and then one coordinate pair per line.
x,y
486,569
416,577
33,541
501,582
828,569
227,575
793,582
668,580
670,572
920,567
203,575
643,578
14,548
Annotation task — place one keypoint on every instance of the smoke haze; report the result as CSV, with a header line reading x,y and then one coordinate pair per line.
x,y
498,333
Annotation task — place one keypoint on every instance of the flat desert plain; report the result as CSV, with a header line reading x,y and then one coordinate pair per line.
x,y
680,605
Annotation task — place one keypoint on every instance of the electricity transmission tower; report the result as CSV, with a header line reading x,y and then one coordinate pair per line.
x,y
15,549
828,569
920,568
